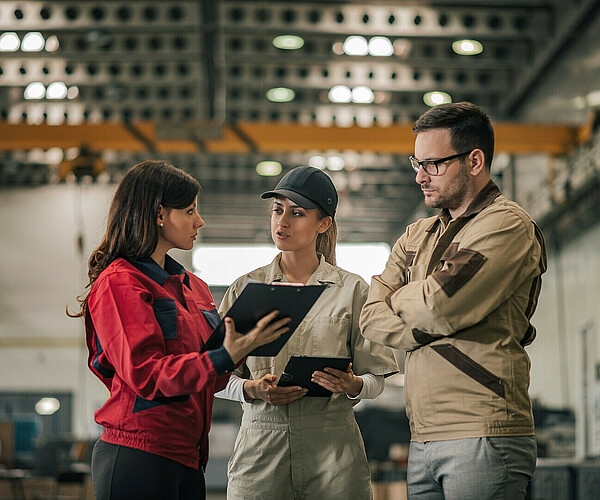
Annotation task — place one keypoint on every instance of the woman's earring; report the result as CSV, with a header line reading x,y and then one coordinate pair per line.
x,y
161,224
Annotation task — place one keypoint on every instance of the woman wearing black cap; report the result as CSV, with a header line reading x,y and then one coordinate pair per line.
x,y
289,445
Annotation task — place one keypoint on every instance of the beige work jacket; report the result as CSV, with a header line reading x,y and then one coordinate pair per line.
x,y
311,448
458,296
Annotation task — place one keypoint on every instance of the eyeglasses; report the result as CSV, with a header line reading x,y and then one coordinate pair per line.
x,y
432,167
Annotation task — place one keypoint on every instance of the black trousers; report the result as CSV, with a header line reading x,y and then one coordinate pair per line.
x,y
122,473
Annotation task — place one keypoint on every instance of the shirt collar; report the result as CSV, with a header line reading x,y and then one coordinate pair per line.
x,y
324,274
484,199
156,273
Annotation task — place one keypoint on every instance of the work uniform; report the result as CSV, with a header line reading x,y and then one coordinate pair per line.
x,y
311,448
458,296
145,328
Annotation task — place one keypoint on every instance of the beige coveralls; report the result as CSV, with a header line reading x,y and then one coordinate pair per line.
x,y
311,448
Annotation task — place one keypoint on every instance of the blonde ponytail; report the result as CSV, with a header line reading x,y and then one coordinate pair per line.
x,y
327,241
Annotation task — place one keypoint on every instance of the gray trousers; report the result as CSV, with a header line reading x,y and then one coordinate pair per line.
x,y
487,468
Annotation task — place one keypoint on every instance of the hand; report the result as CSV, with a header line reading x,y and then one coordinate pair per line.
x,y
239,345
265,389
339,382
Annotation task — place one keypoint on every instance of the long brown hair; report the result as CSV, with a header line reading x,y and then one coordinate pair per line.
x,y
131,230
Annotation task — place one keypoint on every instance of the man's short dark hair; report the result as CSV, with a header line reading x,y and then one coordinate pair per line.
x,y
470,127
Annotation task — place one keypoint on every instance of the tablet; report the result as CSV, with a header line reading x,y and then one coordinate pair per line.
x,y
258,300
299,371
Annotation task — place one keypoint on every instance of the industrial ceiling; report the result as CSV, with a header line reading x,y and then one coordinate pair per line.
x,y
203,84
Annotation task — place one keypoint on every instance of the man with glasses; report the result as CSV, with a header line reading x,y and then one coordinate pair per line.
x,y
457,294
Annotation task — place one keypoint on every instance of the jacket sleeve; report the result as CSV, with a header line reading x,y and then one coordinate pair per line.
x,y
497,253
378,321
229,298
133,343
368,357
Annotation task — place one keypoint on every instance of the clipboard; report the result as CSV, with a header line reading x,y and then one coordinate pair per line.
x,y
258,300
299,371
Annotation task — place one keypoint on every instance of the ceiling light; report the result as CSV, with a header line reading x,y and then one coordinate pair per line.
x,y
54,155
593,98
318,161
268,168
335,163
35,90
52,44
9,42
288,42
579,102
380,46
56,90
362,94
467,47
280,94
340,93
402,47
356,46
436,98
47,406
338,48
73,92
33,42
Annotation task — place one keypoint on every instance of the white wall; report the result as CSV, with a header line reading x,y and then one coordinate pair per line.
x,y
569,306
41,271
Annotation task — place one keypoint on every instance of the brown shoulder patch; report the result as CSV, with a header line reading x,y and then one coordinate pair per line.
x,y
461,266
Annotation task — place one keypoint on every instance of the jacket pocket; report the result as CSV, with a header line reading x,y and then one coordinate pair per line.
x,y
165,311
260,366
470,368
212,316
416,273
330,336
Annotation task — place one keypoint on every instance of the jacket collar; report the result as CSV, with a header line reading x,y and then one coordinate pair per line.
x,y
484,199
156,273
324,274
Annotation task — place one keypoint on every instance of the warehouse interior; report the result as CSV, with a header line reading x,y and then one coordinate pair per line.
x,y
237,93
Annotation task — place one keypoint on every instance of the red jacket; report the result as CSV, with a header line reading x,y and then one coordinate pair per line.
x,y
145,327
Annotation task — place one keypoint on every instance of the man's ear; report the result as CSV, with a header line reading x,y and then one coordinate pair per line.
x,y
476,162
325,224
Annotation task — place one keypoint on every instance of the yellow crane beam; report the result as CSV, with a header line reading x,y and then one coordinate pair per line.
x,y
267,137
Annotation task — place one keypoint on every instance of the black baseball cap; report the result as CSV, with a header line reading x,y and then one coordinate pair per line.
x,y
308,187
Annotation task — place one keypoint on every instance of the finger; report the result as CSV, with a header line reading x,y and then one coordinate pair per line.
x,y
341,379
286,390
275,332
270,378
338,373
327,380
335,388
265,320
229,326
283,400
324,376
267,336
276,325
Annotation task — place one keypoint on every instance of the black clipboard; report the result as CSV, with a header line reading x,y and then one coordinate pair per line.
x,y
299,371
258,300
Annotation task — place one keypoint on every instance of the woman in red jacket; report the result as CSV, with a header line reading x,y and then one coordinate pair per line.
x,y
146,321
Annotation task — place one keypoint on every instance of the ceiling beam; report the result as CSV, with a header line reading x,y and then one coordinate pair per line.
x,y
268,138
575,18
